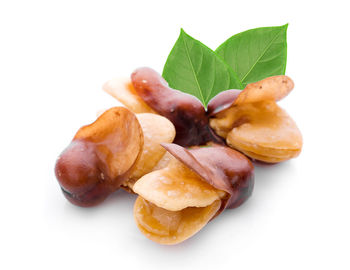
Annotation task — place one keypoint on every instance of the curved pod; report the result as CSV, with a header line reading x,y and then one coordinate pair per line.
x,y
197,185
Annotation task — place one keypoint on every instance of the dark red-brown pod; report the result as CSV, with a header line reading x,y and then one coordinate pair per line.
x,y
81,179
100,157
222,101
220,166
185,111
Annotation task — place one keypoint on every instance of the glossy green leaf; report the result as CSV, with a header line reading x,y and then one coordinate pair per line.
x,y
257,53
195,69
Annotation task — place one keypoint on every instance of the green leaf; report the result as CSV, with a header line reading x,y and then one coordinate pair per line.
x,y
257,53
195,69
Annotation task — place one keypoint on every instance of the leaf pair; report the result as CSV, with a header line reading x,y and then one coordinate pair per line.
x,y
246,57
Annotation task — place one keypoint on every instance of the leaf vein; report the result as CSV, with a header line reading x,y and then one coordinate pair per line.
x,y
192,67
265,50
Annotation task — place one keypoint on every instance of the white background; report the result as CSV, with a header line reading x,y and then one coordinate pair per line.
x,y
54,57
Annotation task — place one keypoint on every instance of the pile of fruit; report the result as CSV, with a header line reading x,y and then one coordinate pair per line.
x,y
186,163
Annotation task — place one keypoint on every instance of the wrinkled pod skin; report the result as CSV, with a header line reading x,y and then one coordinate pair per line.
x,y
100,157
185,111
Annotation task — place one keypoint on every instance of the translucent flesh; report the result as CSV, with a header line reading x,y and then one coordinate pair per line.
x,y
164,161
262,128
122,90
272,88
175,188
171,227
156,130
267,159
117,136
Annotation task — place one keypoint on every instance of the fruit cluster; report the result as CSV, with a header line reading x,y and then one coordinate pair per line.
x,y
186,163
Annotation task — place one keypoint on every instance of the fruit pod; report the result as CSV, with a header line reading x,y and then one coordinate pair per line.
x,y
177,201
149,92
123,90
156,129
221,167
252,122
100,157
115,150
